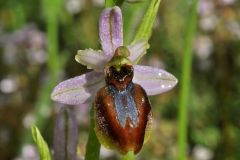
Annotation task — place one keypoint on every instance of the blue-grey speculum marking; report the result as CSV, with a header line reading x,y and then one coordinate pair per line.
x,y
125,105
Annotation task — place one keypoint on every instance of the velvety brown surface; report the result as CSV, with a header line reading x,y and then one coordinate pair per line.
x,y
127,138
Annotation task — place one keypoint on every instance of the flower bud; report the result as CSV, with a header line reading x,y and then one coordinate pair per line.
x,y
65,138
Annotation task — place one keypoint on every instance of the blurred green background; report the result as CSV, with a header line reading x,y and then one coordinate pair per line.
x,y
38,42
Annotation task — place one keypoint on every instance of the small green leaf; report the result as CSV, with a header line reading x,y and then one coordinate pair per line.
x,y
41,144
131,13
52,8
145,28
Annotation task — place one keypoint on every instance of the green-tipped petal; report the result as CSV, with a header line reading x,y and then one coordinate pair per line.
x,y
92,59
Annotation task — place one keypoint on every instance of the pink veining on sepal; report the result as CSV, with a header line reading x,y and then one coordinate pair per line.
x,y
110,30
154,80
78,90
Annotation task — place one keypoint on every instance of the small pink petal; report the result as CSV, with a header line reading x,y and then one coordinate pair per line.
x,y
137,50
92,59
78,90
111,30
153,80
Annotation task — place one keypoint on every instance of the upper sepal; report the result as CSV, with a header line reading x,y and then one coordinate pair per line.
x,y
111,30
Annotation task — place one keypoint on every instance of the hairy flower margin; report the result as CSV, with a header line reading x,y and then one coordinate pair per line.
x,y
82,89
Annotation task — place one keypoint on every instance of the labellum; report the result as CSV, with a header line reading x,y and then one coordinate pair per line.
x,y
123,111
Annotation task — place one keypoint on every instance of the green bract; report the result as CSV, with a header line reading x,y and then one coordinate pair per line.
x,y
41,144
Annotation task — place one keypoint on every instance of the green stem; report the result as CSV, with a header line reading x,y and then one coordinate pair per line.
x,y
93,145
111,3
52,34
54,68
185,84
53,61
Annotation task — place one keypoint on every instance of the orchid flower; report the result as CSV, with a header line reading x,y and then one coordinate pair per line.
x,y
118,85
82,89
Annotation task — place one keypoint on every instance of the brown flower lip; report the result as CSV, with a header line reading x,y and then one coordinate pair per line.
x,y
122,111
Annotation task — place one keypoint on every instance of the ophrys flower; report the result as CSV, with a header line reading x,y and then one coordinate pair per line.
x,y
123,111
